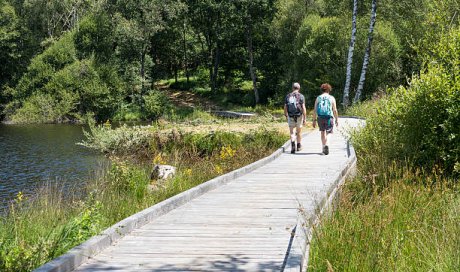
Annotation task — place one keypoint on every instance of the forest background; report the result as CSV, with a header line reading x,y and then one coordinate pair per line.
x,y
63,61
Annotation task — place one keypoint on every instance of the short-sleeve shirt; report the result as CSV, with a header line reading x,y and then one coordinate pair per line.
x,y
301,99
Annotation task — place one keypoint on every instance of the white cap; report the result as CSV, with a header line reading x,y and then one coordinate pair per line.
x,y
296,86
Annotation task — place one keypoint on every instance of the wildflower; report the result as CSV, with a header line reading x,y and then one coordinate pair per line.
x,y
227,152
19,197
188,172
159,159
218,169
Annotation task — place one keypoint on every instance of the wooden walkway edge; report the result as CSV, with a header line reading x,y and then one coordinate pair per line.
x,y
256,218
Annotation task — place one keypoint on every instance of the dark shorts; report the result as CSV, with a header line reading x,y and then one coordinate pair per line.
x,y
326,124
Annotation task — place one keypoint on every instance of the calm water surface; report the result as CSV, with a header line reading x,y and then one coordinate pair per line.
x,y
31,155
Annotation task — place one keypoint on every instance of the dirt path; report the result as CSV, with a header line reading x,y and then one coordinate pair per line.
x,y
187,99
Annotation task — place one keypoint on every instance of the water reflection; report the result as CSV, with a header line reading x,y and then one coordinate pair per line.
x,y
33,154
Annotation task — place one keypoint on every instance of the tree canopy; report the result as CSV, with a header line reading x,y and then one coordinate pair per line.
x,y
98,57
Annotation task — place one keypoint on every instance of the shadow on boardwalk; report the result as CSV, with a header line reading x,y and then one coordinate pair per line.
x,y
227,262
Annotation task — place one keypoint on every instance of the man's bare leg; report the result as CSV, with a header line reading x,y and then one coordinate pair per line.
x,y
299,135
292,133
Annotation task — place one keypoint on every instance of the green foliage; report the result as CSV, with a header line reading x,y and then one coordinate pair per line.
x,y
95,37
156,104
421,123
132,44
10,33
43,67
45,108
38,229
128,113
123,140
35,231
127,178
405,228
401,212
322,46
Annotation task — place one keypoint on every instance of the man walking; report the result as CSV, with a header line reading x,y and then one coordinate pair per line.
x,y
325,113
295,112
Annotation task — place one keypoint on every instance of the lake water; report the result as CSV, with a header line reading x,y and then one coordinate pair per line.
x,y
31,155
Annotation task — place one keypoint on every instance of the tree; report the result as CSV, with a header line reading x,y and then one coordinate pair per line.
x,y
346,91
367,52
137,24
9,42
255,20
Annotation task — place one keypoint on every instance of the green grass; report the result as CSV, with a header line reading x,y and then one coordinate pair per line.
x,y
43,226
402,210
406,227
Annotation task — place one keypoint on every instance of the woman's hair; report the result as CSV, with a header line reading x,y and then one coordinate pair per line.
x,y
326,88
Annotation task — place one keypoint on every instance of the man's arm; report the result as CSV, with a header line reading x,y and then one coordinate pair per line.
x,y
285,111
304,113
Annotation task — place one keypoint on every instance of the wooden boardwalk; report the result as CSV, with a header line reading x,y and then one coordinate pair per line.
x,y
253,223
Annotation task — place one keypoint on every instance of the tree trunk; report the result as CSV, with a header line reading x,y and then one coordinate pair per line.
x,y
346,90
175,73
215,72
142,72
185,52
251,61
367,54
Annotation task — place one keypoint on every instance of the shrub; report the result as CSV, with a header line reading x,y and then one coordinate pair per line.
x,y
120,141
420,123
44,65
45,108
156,104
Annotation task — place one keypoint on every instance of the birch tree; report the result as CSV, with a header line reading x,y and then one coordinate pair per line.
x,y
367,53
346,91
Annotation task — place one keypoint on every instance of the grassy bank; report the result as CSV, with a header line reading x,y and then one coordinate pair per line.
x,y
38,229
402,210
406,227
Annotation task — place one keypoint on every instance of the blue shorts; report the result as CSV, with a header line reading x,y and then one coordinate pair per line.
x,y
326,123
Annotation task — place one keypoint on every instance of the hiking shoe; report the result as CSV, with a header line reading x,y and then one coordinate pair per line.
x,y
299,147
292,147
326,150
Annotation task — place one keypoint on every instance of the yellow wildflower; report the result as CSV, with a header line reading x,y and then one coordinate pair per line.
x,y
159,159
227,152
218,169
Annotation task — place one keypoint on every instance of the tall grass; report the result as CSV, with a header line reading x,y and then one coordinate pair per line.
x,y
405,227
38,229
402,210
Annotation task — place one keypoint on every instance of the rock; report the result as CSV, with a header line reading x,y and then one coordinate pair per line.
x,y
233,114
162,171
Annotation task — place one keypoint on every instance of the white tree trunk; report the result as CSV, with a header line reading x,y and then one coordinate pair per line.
x,y
367,54
351,49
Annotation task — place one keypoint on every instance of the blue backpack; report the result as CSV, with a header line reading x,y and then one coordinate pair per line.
x,y
324,106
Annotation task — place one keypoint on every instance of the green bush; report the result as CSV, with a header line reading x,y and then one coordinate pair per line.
x,y
123,140
156,104
46,108
128,113
420,123
43,67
